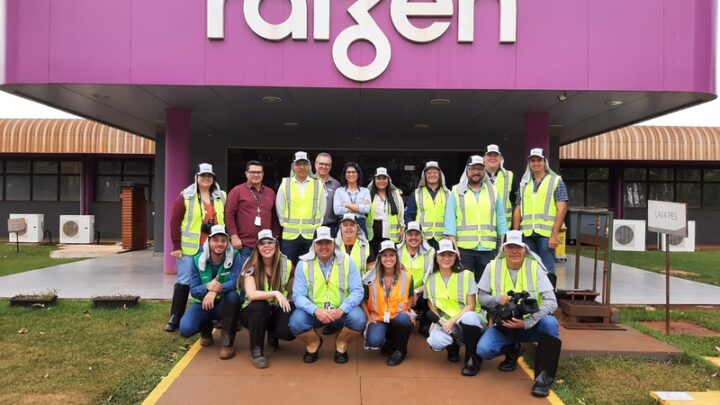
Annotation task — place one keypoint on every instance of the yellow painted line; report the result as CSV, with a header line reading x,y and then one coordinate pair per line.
x,y
553,398
166,382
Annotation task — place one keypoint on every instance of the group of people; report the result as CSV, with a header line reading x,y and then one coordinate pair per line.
x,y
355,261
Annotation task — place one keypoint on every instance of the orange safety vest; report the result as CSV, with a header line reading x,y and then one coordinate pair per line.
x,y
396,302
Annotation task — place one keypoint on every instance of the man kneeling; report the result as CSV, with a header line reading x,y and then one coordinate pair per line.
x,y
517,269
213,291
327,290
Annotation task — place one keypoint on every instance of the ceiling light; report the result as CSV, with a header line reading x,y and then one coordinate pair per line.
x,y
291,124
613,103
556,125
563,96
421,126
271,99
439,101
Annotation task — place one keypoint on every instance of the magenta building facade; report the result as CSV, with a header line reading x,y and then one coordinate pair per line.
x,y
201,77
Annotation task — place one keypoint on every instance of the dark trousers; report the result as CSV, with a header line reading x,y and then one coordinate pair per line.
x,y
434,243
476,261
294,248
377,237
260,317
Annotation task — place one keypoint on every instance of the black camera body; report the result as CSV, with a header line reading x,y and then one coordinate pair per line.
x,y
206,227
520,304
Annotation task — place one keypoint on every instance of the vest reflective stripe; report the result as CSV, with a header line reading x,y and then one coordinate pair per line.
x,y
192,222
397,302
411,264
538,208
285,266
431,212
526,279
448,300
503,182
475,223
336,289
301,218
394,232
359,254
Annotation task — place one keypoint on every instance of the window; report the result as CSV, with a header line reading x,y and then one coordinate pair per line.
x,y
695,187
587,187
112,173
17,180
40,180
711,188
635,194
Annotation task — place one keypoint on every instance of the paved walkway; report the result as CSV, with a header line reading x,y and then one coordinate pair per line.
x,y
140,273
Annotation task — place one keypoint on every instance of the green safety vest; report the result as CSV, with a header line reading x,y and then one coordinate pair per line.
x,y
503,182
417,266
206,275
359,253
192,222
301,215
476,219
431,212
451,299
335,290
394,222
501,282
285,267
538,208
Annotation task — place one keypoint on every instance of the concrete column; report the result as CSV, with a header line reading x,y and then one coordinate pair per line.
x,y
537,134
159,194
177,166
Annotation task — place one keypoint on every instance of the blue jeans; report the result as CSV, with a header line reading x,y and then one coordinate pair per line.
x,y
185,266
195,317
539,245
377,331
493,340
295,248
245,253
301,321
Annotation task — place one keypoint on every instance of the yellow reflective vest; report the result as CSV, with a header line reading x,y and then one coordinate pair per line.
x,y
449,299
501,281
285,267
503,183
476,219
538,209
394,233
192,222
301,214
333,290
431,212
417,266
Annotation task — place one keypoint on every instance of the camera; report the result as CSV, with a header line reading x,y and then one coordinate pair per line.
x,y
520,304
206,227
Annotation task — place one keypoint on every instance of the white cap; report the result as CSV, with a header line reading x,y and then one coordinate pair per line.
x,y
205,168
413,226
431,165
349,217
381,171
514,238
323,233
387,244
446,245
300,156
492,149
217,230
266,234
536,152
475,160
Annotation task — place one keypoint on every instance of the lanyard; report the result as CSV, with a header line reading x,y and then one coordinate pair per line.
x,y
353,196
258,198
388,290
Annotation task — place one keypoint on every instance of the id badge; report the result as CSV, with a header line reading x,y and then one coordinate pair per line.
x,y
386,317
327,306
257,221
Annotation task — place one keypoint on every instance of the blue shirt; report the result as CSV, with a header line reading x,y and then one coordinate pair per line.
x,y
300,288
411,209
361,198
199,290
451,222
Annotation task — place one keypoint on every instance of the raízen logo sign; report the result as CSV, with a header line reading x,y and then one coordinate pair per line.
x,y
365,29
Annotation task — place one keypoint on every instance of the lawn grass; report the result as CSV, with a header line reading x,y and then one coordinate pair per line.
x,y
73,353
30,257
702,266
614,380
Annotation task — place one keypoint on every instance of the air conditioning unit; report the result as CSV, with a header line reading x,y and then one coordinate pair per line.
x,y
34,228
680,244
628,235
77,228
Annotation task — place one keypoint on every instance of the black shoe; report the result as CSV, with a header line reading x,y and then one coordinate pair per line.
x,y
395,358
312,357
512,353
453,353
329,329
273,343
177,308
472,366
541,387
217,324
341,358
258,358
172,323
386,349
424,328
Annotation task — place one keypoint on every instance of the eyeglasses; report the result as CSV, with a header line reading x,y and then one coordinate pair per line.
x,y
254,173
351,172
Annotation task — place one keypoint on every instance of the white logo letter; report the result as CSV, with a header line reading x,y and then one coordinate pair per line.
x,y
321,20
215,19
508,21
296,24
366,29
400,10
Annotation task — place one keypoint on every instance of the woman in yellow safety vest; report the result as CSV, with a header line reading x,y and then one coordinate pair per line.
x,y
451,293
265,279
389,297
385,219
198,207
